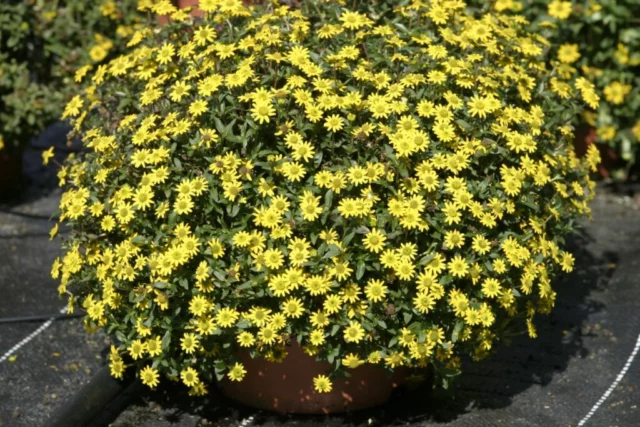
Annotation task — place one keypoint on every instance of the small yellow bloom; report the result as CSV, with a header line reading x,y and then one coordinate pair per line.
x,y
322,384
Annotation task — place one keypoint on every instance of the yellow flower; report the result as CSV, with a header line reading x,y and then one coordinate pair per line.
x,y
246,339
480,244
116,367
226,317
334,123
183,205
351,361
198,107
267,335
262,112
568,53
423,302
165,53
319,319
137,349
108,223
458,267
559,9
198,305
293,308
189,377
567,262
47,155
316,337
374,240
322,384
332,304
606,133
480,106
375,290
294,171
189,343
237,372
273,258
149,376
616,92
353,333
72,108
491,287
154,346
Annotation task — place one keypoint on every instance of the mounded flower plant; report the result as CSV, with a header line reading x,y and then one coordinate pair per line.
x,y
393,194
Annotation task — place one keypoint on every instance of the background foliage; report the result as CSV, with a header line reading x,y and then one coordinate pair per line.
x,y
606,34
42,45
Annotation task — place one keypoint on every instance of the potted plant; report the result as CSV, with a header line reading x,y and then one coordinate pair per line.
x,y
301,186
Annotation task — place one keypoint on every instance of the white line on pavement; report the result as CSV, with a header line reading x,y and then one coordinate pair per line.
x,y
613,385
29,337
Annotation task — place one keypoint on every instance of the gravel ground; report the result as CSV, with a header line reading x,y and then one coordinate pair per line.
x,y
553,381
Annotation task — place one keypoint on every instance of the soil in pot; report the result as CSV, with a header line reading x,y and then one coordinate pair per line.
x,y
287,387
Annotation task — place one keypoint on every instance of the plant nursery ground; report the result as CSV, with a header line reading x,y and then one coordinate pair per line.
x,y
558,380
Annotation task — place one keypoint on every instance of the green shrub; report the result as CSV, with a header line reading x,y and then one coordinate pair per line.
x,y
43,43
601,39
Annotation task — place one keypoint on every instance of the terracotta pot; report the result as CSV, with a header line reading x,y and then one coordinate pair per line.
x,y
287,387
586,136
195,12
163,19
10,172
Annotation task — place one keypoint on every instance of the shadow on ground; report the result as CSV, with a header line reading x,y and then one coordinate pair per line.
x,y
489,384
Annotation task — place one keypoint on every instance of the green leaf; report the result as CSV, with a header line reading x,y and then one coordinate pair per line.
x,y
332,252
463,124
407,317
335,329
456,330
328,198
222,130
166,340
360,269
347,239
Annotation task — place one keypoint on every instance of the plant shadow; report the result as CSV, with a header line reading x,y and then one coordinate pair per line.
x,y
36,179
490,384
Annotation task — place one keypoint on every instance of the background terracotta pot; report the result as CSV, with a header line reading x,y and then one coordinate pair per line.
x,y
163,19
584,137
287,387
10,173
195,12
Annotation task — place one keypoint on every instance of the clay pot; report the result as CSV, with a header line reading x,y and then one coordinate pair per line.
x,y
287,387
163,19
586,136
194,4
10,172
